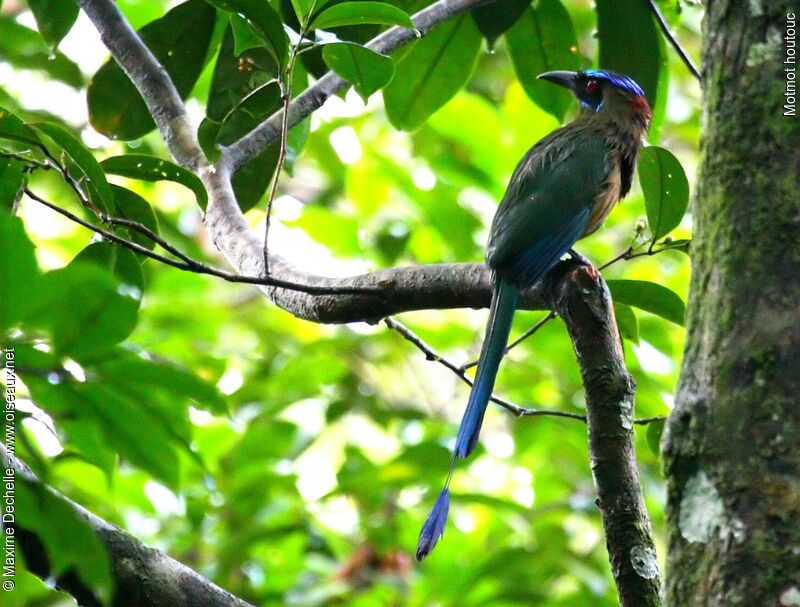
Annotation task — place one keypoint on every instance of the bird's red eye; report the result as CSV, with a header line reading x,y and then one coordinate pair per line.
x,y
592,86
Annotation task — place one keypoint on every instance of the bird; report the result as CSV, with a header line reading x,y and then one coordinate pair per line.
x,y
562,190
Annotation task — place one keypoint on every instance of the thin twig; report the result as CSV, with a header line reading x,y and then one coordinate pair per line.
x,y
662,22
550,316
190,265
286,97
432,355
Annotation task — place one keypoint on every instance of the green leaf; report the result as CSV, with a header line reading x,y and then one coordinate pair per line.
x,y
15,129
366,69
264,20
302,8
13,178
133,207
496,18
86,308
19,272
359,13
67,537
54,19
654,431
151,168
180,41
120,418
665,187
24,48
119,261
543,40
629,43
431,72
649,296
244,36
626,322
95,181
164,376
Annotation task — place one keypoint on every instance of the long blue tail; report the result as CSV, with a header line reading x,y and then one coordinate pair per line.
x,y
504,304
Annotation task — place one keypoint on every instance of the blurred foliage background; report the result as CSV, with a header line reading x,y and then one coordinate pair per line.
x,y
294,463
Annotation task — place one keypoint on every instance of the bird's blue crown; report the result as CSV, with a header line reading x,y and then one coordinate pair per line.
x,y
622,81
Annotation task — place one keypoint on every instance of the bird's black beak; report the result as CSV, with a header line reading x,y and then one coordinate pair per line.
x,y
563,78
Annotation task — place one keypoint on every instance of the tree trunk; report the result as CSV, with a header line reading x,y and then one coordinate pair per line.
x,y
732,444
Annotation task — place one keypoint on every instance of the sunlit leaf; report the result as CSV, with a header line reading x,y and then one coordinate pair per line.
x,y
357,13
649,296
654,431
95,182
151,168
431,72
13,178
626,322
366,69
14,129
19,271
665,188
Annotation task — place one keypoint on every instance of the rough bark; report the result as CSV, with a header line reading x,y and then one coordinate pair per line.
x,y
142,576
732,444
582,299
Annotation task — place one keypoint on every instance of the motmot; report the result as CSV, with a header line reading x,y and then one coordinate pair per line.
x,y
562,190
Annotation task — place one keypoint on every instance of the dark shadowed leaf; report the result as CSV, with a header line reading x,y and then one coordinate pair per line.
x,y
179,40
431,72
151,168
95,181
665,187
543,40
265,22
133,207
649,296
366,69
25,49
358,13
495,19
121,262
19,272
629,43
54,18
626,322
69,541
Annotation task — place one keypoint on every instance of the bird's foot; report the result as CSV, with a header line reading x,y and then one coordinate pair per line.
x,y
579,258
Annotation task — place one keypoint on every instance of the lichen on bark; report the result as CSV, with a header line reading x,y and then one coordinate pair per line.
x,y
735,430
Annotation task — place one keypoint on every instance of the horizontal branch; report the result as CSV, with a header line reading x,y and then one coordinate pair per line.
x,y
142,575
257,140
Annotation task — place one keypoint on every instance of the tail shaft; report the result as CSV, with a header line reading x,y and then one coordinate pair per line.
x,y
504,304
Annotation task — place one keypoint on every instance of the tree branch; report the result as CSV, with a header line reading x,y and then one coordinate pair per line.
x,y
150,79
581,297
257,140
142,575
662,22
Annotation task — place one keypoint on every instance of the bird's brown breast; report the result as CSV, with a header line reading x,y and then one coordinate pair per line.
x,y
610,193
